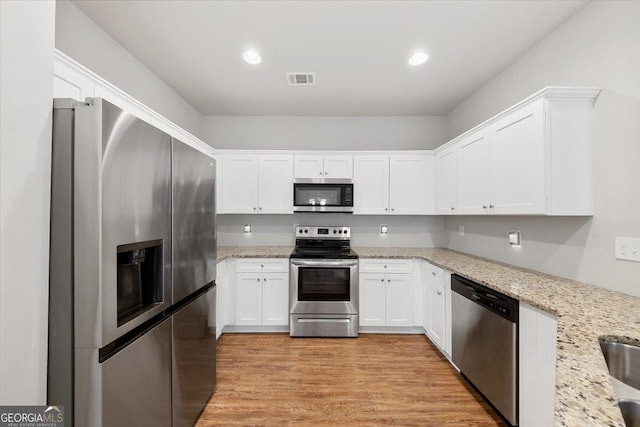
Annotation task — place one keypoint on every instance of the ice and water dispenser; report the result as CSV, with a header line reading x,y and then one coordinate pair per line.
x,y
139,278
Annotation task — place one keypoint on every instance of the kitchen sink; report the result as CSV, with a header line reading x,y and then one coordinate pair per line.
x,y
630,412
623,361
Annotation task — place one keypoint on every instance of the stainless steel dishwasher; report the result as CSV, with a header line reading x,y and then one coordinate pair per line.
x,y
484,343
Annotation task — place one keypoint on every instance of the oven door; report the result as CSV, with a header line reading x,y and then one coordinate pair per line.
x,y
324,286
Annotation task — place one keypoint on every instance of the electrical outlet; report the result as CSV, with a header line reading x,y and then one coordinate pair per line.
x,y
628,249
461,230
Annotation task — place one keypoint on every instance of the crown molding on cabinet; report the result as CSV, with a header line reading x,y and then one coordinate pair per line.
x,y
549,92
134,106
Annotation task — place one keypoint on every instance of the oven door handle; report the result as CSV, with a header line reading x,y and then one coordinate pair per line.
x,y
324,263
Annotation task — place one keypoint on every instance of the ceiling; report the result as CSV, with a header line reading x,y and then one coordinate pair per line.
x,y
359,50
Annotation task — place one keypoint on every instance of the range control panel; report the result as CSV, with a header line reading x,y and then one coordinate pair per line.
x,y
333,232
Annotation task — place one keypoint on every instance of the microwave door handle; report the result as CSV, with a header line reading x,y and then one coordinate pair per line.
x,y
324,263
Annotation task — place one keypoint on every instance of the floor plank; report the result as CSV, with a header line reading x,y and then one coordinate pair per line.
x,y
276,380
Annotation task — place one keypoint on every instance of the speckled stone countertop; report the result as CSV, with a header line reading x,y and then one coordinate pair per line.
x,y
584,394
225,252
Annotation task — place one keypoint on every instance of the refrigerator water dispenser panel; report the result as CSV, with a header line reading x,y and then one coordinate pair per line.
x,y
140,278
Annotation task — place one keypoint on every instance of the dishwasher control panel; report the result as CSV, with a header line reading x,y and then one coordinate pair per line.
x,y
495,301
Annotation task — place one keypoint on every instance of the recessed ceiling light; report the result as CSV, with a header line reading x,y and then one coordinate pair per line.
x,y
418,58
251,57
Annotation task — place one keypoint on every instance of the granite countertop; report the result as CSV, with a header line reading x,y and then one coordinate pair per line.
x,y
584,394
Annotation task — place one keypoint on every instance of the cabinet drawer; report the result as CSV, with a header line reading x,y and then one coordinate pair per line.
x,y
374,265
270,265
434,274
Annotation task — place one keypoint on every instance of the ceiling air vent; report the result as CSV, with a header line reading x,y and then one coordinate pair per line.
x,y
301,79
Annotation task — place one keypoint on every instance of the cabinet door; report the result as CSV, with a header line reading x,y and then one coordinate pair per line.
x,y
446,181
474,163
275,173
411,185
308,166
537,366
240,183
338,166
275,299
518,163
372,299
436,313
248,299
371,184
399,296
221,297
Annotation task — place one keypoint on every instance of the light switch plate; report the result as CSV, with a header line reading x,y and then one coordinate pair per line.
x,y
628,249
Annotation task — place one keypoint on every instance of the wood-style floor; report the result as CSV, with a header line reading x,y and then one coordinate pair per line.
x,y
276,380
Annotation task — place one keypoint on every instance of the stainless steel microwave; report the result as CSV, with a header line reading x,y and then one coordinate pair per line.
x,y
323,195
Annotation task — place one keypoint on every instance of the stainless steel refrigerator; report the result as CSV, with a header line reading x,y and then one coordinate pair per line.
x,y
132,271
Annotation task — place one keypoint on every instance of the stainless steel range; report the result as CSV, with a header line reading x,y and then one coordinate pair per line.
x,y
323,284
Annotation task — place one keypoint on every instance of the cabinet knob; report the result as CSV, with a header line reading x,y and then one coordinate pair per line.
x,y
484,206
433,273
260,208
254,208
258,279
382,280
385,266
392,209
320,172
439,292
452,208
264,280
262,265
326,173
491,206
388,280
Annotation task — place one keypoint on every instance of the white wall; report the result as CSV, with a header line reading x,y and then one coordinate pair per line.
x,y
324,133
83,40
277,230
599,46
26,68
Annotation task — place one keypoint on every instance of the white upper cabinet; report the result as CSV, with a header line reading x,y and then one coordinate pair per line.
x,y
446,179
474,162
308,166
240,183
393,184
275,184
323,166
338,166
535,158
411,184
518,162
257,183
371,184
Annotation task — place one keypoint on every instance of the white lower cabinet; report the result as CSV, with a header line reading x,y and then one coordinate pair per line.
x,y
225,297
436,313
436,285
386,299
537,367
372,299
262,292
